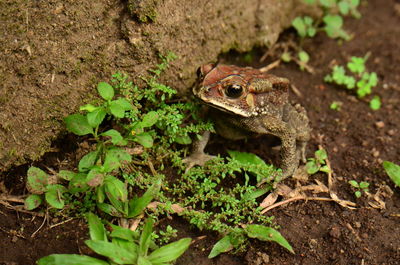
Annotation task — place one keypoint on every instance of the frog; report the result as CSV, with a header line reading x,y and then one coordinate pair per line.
x,y
245,103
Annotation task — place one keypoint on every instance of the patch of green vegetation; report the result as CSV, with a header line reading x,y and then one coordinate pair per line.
x,y
360,187
145,11
121,246
336,105
393,171
331,23
139,137
360,80
318,163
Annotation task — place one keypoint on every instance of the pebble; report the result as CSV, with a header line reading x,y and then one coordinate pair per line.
x,y
379,124
335,232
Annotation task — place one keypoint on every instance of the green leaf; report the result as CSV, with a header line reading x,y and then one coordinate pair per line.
x,y
356,65
223,245
54,195
354,183
78,184
303,57
244,157
66,174
170,252
37,180
144,139
100,194
105,90
251,195
88,108
267,234
300,26
117,193
327,3
393,171
129,246
78,124
145,237
286,57
364,185
373,79
70,259
88,161
116,137
112,251
185,140
124,104
137,205
95,177
143,261
119,106
375,103
109,209
33,201
149,119
358,194
333,27
312,167
310,2
96,117
96,227
123,233
321,156
114,157
344,7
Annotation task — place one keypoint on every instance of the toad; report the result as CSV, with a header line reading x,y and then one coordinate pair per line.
x,y
245,102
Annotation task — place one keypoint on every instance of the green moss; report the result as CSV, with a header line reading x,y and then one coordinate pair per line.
x,y
144,10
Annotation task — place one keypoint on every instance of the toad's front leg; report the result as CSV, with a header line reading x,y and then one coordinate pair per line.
x,y
198,157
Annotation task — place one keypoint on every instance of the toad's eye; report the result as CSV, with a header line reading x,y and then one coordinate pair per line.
x,y
234,91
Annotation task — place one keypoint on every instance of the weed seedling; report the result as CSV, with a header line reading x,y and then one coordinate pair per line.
x,y
318,163
360,187
360,80
336,105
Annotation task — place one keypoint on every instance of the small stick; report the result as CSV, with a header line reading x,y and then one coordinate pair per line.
x,y
40,227
295,199
63,222
270,66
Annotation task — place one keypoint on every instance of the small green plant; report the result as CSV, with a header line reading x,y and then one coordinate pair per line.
x,y
121,246
108,177
318,163
164,237
304,26
332,20
393,171
331,23
360,187
336,105
361,80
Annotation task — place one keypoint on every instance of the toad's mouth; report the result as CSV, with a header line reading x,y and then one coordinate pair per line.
x,y
225,107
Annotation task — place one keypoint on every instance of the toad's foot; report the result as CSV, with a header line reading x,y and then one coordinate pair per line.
x,y
197,159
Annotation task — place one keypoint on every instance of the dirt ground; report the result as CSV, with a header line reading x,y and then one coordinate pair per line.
x,y
356,138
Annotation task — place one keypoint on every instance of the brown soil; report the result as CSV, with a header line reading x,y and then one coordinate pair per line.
x,y
356,138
